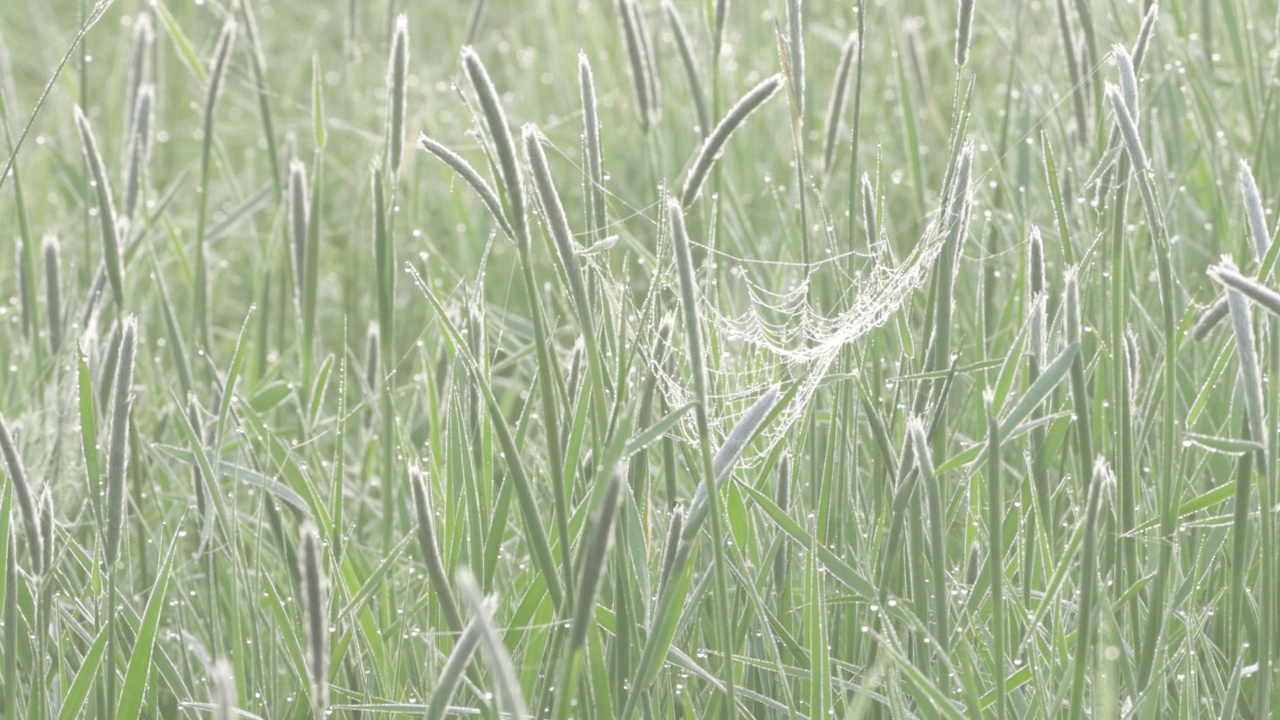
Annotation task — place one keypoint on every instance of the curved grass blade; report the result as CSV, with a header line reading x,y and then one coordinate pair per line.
x,y
503,675
454,667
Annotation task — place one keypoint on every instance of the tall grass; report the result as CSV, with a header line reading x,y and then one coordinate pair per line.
x,y
677,417
702,394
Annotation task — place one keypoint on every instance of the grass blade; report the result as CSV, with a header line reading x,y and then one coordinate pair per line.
x,y
139,669
430,552
454,667
685,48
835,110
1086,619
217,78
504,677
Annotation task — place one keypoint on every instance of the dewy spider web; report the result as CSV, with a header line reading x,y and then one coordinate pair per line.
x,y
755,352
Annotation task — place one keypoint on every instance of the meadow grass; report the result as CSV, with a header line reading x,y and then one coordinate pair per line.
x,y
327,395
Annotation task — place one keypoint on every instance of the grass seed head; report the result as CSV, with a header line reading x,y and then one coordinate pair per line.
x,y
111,252
118,449
468,173
974,564
223,691
1226,274
500,134
53,290
1145,32
1209,318
430,550
635,37
139,151
47,529
593,564
139,65
690,62
1071,294
1128,128
1247,357
1128,78
964,31
674,530
1253,212
372,363
716,140
299,219
314,590
869,220
594,155
397,79
218,68
25,297
795,41
22,491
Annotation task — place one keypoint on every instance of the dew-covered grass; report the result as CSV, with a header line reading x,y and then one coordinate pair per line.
x,y
639,359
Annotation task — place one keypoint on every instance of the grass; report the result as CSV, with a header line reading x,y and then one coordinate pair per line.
x,y
946,390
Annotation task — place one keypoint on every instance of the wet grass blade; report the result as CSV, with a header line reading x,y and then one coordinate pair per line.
x,y
140,665
503,675
528,503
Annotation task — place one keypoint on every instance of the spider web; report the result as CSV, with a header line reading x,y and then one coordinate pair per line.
x,y
780,336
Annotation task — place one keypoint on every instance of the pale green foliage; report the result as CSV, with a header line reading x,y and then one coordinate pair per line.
x,y
920,403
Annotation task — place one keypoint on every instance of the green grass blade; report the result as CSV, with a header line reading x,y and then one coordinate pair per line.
x,y
139,669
